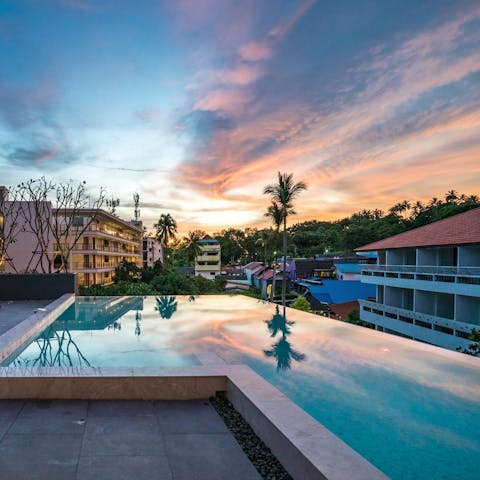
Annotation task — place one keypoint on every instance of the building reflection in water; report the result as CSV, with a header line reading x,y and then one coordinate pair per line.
x,y
138,317
282,350
166,306
56,346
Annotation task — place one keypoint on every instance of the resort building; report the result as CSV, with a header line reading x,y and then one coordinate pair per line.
x,y
427,282
208,262
91,242
104,241
152,251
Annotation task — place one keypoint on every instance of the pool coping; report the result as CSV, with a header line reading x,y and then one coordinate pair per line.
x,y
305,447
33,325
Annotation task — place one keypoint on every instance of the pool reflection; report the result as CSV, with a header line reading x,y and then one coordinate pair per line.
x,y
166,306
282,350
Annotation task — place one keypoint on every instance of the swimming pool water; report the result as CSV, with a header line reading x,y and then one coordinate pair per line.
x,y
413,413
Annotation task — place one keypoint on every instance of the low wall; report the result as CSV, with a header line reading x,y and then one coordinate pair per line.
x,y
36,286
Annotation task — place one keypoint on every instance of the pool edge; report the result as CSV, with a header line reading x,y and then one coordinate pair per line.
x,y
305,447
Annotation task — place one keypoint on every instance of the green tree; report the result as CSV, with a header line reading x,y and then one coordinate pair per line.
x,y
166,228
191,246
474,347
127,272
284,192
301,303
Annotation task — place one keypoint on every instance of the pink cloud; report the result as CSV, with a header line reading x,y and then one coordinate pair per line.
x,y
242,74
226,100
255,51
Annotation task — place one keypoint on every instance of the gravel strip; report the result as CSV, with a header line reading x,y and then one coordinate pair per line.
x,y
257,452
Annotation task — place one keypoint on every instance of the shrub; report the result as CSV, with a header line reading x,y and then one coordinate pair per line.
x,y
301,303
120,288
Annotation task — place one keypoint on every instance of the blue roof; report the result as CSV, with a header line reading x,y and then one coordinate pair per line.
x,y
348,267
340,291
208,240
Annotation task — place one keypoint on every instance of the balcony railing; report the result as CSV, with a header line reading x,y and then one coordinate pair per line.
x,y
91,265
101,248
96,229
425,269
403,315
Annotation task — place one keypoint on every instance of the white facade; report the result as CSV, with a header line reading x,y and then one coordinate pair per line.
x,y
208,263
152,251
430,294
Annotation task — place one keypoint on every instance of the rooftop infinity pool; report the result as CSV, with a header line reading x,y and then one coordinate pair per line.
x,y
413,411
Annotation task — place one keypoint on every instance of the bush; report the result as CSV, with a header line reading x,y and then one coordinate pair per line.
x,y
127,272
175,284
301,303
120,288
354,317
473,348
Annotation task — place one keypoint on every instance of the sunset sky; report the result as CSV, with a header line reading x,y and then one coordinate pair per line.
x,y
197,104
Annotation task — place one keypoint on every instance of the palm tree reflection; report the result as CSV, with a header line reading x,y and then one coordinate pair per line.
x,y
56,349
282,350
166,306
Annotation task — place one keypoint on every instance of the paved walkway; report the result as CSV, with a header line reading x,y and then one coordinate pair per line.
x,y
118,440
15,311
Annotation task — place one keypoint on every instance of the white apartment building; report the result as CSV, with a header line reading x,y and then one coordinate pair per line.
x,y
152,251
104,242
427,282
208,263
97,240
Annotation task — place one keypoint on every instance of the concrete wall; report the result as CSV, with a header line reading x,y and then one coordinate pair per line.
x,y
36,286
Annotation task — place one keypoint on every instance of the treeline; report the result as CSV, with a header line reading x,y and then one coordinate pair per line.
x,y
316,237
129,279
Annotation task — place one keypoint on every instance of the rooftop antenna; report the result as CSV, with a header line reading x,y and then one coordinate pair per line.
x,y
136,202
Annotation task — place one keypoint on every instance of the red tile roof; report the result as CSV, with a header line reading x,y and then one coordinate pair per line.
x,y
460,229
252,265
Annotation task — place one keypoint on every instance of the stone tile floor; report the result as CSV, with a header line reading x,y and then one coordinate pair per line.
x,y
15,311
117,440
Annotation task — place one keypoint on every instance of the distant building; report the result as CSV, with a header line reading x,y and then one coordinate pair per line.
x,y
252,268
105,242
303,268
335,295
100,241
208,263
427,281
348,271
152,251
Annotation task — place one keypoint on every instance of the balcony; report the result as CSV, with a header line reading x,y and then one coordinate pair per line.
x,y
94,229
92,266
100,249
422,269
418,319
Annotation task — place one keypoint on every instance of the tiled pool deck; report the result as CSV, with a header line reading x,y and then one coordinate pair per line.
x,y
118,440
15,311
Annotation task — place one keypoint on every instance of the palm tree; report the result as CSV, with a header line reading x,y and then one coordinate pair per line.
x,y
166,228
263,240
284,193
191,246
275,213
451,196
